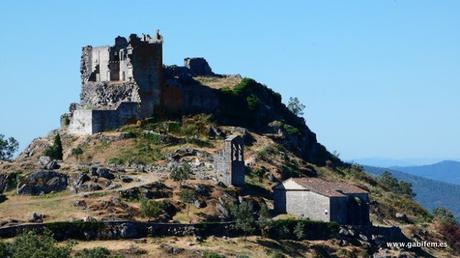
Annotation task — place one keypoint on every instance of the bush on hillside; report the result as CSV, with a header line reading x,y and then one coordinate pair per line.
x,y
151,209
388,182
98,252
33,245
55,151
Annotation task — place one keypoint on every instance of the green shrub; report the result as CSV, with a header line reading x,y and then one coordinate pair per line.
x,y
130,135
115,161
33,245
98,252
277,255
291,129
212,255
55,151
152,138
244,219
260,172
13,180
289,170
73,229
444,216
387,181
152,209
141,153
187,195
253,102
77,152
181,172
4,250
288,228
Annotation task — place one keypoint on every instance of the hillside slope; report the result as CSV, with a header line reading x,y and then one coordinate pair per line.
x,y
115,172
430,194
446,171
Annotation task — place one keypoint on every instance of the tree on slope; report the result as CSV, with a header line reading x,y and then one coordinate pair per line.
x,y
7,147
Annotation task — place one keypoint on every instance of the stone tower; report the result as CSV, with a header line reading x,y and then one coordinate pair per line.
x,y
229,162
120,83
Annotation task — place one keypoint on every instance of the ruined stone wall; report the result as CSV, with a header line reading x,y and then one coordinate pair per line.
x,y
108,95
85,64
188,98
90,121
100,57
81,122
123,229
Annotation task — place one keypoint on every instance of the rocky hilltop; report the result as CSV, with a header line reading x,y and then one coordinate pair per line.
x,y
156,175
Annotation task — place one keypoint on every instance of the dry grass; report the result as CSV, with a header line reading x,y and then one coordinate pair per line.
x,y
219,82
59,206
56,208
254,247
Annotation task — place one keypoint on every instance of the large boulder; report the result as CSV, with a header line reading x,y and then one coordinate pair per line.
x,y
43,182
103,172
52,165
45,162
36,217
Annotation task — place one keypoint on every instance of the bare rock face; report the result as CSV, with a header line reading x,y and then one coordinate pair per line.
x,y
43,182
198,66
34,150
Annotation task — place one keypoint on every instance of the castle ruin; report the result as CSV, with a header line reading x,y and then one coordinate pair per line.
x,y
120,84
127,82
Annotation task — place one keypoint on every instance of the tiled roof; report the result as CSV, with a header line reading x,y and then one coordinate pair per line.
x,y
331,189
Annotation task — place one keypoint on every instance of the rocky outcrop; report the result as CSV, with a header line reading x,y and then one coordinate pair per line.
x,y
36,217
103,172
43,182
34,150
150,191
198,66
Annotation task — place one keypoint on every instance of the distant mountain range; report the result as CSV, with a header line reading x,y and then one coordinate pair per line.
x,y
429,193
388,162
445,171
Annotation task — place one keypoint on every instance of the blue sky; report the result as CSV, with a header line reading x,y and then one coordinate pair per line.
x,y
378,78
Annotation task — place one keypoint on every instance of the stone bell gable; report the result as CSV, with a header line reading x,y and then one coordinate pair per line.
x,y
229,162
